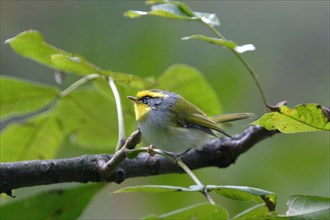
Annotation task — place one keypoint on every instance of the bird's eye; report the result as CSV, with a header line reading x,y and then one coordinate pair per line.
x,y
145,99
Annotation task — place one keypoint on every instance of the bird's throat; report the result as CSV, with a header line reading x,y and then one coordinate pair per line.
x,y
141,111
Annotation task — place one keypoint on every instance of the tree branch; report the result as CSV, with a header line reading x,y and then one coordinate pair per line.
x,y
220,152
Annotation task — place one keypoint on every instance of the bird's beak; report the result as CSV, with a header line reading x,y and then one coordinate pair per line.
x,y
135,99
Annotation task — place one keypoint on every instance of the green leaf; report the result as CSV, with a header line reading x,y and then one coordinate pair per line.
x,y
175,10
19,97
166,10
154,189
31,44
308,207
132,81
244,193
185,9
89,119
200,211
259,211
36,138
302,118
55,204
74,64
169,10
226,43
190,83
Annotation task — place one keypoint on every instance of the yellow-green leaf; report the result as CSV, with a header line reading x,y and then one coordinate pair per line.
x,y
56,204
308,207
199,211
175,10
244,193
89,119
19,97
259,211
221,42
37,138
302,118
74,64
155,189
226,43
31,44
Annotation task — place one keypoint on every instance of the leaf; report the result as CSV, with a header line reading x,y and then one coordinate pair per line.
x,y
175,10
36,138
181,5
244,193
259,211
226,43
308,207
170,10
89,119
200,211
31,44
154,189
19,97
190,83
55,204
133,81
74,64
301,118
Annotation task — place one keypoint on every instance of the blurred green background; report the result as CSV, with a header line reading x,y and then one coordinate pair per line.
x,y
292,61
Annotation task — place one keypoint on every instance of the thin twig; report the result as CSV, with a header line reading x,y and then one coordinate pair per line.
x,y
188,171
255,78
78,83
180,163
245,64
195,179
120,116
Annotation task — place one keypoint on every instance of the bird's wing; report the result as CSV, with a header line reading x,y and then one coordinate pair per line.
x,y
231,117
198,120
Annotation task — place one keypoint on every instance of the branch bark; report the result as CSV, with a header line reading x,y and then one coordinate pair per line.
x,y
220,152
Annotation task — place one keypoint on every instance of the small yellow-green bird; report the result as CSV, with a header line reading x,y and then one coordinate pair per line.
x,y
170,122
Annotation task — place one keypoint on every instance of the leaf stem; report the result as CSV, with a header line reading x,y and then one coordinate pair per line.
x,y
180,163
254,76
120,116
78,83
245,64
214,30
188,171
195,179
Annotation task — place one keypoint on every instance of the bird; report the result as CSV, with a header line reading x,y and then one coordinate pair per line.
x,y
169,122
